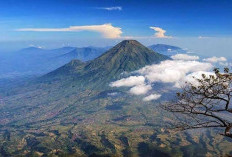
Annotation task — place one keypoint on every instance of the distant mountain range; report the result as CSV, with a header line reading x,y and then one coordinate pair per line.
x,y
167,49
34,61
39,61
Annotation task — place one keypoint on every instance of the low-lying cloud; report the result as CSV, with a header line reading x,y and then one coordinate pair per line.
x,y
152,97
129,82
107,30
140,89
176,72
172,71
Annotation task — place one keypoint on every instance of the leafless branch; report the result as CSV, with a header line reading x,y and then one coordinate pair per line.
x,y
206,104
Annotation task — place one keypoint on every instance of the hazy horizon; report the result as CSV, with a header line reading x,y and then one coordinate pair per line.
x,y
204,46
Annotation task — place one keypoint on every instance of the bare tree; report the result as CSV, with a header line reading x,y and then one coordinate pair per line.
x,y
205,103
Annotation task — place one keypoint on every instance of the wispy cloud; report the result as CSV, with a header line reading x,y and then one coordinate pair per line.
x,y
225,64
160,33
203,37
107,30
119,8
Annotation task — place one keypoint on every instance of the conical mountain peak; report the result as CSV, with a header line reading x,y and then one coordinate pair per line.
x,y
128,52
133,42
129,46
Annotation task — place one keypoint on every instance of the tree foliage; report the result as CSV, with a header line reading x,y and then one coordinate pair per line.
x,y
205,103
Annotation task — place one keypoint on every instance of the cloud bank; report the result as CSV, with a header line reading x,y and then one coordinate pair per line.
x,y
160,33
176,72
107,30
172,71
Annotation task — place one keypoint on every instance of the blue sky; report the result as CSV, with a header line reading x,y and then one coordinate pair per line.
x,y
183,20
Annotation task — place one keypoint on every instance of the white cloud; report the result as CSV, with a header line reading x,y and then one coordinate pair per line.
x,y
152,97
140,89
170,71
107,30
129,82
160,33
184,57
215,59
112,8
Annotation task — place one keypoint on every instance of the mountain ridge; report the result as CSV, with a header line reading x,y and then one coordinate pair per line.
x,y
127,56
84,53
